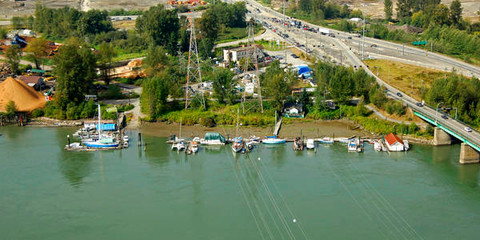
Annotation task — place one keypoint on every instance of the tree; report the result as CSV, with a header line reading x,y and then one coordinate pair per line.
x,y
3,33
38,50
223,85
456,12
17,22
404,10
11,109
75,66
13,54
440,15
209,25
106,53
156,60
93,22
154,95
161,26
277,84
388,8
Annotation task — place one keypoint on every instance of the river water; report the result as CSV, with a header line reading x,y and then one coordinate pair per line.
x,y
272,193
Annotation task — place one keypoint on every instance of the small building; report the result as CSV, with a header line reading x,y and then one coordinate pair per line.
x,y
250,88
36,82
293,110
394,143
235,54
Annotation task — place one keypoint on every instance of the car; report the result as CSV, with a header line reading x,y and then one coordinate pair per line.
x,y
419,104
399,94
444,117
373,45
468,129
294,55
349,37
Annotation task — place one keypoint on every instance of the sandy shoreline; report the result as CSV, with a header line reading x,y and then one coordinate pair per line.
x,y
313,129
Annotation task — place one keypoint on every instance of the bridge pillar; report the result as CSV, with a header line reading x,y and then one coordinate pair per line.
x,y
440,137
468,155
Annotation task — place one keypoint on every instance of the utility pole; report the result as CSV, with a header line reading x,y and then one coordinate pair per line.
x,y
363,43
403,49
412,88
431,46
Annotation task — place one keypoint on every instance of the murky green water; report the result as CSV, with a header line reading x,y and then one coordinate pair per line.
x,y
47,193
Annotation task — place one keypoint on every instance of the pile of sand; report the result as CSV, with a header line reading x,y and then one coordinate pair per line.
x,y
26,98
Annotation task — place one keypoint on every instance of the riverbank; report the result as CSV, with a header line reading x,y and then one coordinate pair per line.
x,y
310,129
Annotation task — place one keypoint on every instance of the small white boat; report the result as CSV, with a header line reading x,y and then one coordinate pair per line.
x,y
407,146
125,138
74,145
326,140
352,145
310,143
179,146
237,145
344,140
377,146
273,140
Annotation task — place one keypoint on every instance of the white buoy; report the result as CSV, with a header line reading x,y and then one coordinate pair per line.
x,y
258,158
294,220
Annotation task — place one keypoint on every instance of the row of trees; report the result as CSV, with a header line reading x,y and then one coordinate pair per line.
x,y
460,92
323,9
70,22
424,12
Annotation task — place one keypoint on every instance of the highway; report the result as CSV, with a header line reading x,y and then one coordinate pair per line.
x,y
381,49
342,48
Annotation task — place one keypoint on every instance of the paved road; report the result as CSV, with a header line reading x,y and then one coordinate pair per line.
x,y
473,138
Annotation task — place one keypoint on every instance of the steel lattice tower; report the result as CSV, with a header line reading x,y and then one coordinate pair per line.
x,y
194,73
254,55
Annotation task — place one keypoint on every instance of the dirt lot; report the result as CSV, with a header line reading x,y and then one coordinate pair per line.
x,y
9,8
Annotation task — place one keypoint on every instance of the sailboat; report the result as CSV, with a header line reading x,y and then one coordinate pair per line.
x,y
102,142
238,143
273,139
179,145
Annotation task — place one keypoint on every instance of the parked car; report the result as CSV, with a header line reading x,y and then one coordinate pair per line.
x,y
373,45
468,129
399,94
294,55
419,104
444,117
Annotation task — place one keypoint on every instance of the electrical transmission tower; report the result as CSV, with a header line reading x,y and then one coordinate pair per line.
x,y
252,58
193,66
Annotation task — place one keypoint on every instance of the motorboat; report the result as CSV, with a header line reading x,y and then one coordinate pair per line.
x,y
238,144
298,144
192,147
344,140
254,139
179,146
352,145
213,138
326,140
377,146
273,140
310,143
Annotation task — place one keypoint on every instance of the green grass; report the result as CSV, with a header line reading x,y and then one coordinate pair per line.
x,y
234,34
125,56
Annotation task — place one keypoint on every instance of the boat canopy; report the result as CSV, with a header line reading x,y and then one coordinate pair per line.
x,y
214,136
107,126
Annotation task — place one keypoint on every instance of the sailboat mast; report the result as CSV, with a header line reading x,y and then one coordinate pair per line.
x,y
238,112
99,122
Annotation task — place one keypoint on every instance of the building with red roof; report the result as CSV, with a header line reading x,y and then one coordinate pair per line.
x,y
394,143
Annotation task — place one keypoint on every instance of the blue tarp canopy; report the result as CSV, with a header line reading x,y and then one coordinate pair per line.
x,y
108,126
303,69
